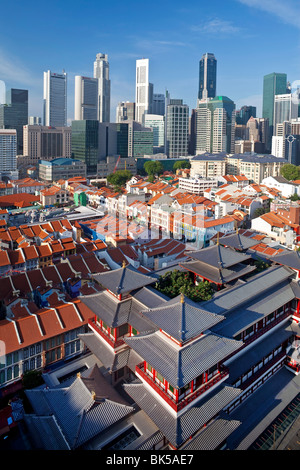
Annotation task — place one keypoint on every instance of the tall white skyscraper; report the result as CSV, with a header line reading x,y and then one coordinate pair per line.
x,y
86,98
55,99
143,90
101,72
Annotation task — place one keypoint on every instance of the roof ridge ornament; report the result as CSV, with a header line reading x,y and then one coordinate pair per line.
x,y
182,298
124,264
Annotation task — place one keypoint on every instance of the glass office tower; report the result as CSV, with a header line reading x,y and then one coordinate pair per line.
x,y
85,143
14,114
274,84
207,76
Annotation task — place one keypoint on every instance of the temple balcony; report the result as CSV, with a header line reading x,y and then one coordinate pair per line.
x,y
114,343
179,404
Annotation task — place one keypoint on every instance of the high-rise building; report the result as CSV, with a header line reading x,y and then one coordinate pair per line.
x,y
285,109
101,72
177,129
55,99
143,90
274,84
140,140
207,76
86,98
157,123
8,152
158,104
46,143
244,114
85,143
34,121
215,128
14,114
125,111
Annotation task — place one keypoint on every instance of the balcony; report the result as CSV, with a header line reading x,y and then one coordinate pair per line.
x,y
112,343
178,406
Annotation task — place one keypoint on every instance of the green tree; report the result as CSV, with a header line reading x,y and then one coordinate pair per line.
x,y
181,164
290,172
119,178
294,197
258,212
153,168
32,379
176,282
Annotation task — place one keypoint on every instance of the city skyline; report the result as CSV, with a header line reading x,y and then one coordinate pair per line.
x,y
244,35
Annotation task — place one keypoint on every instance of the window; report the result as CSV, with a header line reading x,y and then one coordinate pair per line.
x,y
159,377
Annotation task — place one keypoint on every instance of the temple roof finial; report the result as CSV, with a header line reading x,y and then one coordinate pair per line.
x,y
124,264
182,298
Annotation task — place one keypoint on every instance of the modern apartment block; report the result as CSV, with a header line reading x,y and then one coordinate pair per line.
x,y
101,72
285,109
55,99
86,98
46,143
14,114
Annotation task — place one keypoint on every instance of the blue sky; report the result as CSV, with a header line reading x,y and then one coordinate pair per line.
x,y
250,38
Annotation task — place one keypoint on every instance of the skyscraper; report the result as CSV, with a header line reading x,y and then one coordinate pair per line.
x,y
274,84
215,128
244,114
125,111
177,129
207,76
85,143
8,152
143,90
86,98
285,109
101,72
55,99
14,114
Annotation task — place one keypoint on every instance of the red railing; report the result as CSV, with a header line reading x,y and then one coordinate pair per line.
x,y
108,339
188,399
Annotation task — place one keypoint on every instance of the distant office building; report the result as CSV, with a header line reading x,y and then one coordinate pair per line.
x,y
125,111
140,140
158,104
244,114
274,84
8,153
46,143
285,109
86,98
101,72
215,125
61,168
143,90
55,99
192,132
157,123
85,143
34,121
258,132
177,129
108,139
207,77
14,114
